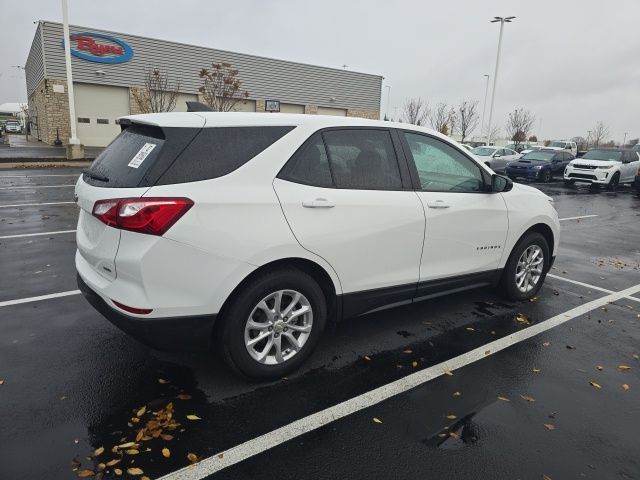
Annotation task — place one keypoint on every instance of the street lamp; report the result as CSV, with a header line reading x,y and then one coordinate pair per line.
x,y
624,142
502,21
388,87
484,108
75,150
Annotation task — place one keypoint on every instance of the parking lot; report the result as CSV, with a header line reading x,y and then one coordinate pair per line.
x,y
463,386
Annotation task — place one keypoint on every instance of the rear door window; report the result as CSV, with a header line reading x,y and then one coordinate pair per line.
x,y
309,165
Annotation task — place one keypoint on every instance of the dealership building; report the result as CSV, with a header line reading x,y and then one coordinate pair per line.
x,y
108,67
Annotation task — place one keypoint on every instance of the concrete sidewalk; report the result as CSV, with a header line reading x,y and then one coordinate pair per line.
x,y
21,150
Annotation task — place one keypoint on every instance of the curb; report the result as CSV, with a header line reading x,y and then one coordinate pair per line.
x,y
45,164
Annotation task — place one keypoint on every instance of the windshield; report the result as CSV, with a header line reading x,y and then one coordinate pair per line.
x,y
483,151
606,155
540,156
558,144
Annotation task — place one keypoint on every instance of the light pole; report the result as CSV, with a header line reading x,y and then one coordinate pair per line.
x,y
502,21
388,87
624,142
74,149
588,138
484,108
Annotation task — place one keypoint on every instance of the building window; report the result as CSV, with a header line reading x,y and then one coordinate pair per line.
x,y
83,120
102,121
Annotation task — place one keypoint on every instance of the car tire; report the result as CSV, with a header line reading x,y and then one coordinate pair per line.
x,y
527,246
234,332
614,182
547,176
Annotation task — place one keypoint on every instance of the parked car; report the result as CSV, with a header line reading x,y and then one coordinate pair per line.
x,y
636,184
541,165
467,147
13,126
495,157
251,231
565,145
519,147
604,166
532,148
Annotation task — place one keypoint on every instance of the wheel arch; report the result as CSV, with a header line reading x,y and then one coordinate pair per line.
x,y
544,230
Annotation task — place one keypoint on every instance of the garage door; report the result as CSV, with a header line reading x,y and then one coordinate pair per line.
x,y
97,107
291,108
337,112
181,101
245,106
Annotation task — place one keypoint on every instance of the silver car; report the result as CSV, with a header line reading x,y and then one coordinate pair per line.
x,y
495,157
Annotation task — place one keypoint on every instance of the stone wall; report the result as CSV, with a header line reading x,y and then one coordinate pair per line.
x,y
51,111
370,114
311,109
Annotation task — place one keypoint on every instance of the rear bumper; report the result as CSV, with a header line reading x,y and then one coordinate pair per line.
x,y
171,334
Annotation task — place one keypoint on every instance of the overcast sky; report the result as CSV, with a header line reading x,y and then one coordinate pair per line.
x,y
570,62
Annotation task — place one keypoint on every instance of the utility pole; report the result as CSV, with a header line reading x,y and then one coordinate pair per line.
x,y
502,21
74,149
484,108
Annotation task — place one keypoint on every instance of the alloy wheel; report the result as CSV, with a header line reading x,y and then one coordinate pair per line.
x,y
529,268
278,327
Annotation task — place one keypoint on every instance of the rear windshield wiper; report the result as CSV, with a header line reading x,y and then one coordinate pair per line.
x,y
95,176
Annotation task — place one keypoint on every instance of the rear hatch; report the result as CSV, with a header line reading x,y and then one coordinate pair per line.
x,y
132,163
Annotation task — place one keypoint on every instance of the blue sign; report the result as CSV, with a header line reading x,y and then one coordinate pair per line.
x,y
93,48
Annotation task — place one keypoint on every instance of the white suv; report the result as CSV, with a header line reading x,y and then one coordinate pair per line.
x,y
251,231
566,145
604,166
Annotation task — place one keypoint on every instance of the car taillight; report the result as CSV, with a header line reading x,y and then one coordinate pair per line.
x,y
153,216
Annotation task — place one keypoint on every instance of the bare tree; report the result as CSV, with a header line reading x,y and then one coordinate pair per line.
x,y
519,125
533,138
443,118
415,111
221,88
159,93
633,141
598,134
467,118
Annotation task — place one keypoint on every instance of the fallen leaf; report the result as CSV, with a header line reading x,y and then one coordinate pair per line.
x,y
594,384
624,367
139,435
625,386
536,370
520,318
140,412
166,437
193,417
408,350
487,352
162,381
221,455
183,396
367,358
125,445
600,367
117,471
1,382
470,329
527,398
102,466
549,426
456,394
454,435
376,420
134,471
414,364
98,451
636,356
447,372
546,477
113,462
86,473
546,344
166,453
504,399
193,458
570,347
451,417
132,451
145,478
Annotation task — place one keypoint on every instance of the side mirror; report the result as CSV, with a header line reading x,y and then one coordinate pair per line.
x,y
500,184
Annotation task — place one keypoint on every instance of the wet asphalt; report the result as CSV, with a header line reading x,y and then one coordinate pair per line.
x,y
73,383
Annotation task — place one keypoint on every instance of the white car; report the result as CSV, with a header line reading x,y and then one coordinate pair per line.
x,y
604,166
566,145
495,157
250,232
12,126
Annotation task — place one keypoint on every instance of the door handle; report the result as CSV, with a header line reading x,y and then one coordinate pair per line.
x,y
318,203
438,204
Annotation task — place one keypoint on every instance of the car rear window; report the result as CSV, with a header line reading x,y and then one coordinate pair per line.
x,y
143,155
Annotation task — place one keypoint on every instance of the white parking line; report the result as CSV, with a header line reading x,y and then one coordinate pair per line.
x,y
304,425
34,176
36,186
36,234
33,204
39,298
577,218
592,287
